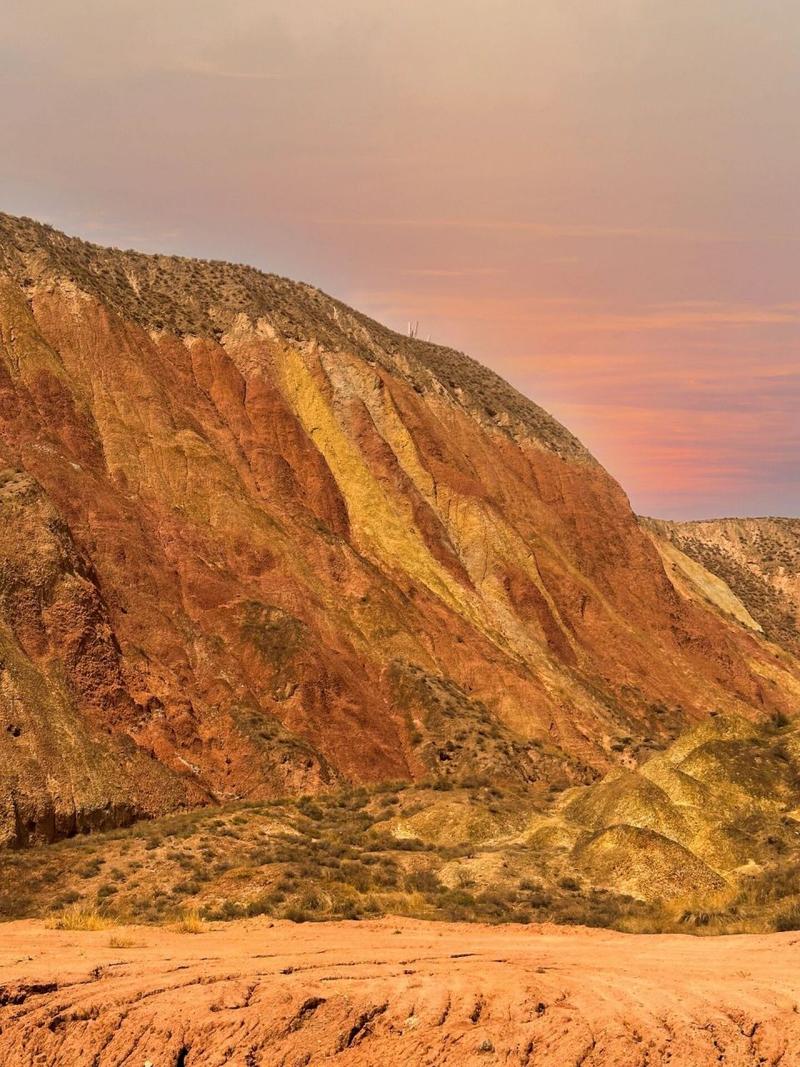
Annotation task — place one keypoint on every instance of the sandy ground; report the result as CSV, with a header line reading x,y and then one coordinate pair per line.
x,y
394,992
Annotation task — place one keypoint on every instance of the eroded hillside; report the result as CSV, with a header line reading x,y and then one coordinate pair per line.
x,y
252,543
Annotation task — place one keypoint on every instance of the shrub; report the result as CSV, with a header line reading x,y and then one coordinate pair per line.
x,y
122,941
789,919
423,881
70,897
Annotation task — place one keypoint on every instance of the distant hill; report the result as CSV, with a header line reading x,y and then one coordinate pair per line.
x,y
759,559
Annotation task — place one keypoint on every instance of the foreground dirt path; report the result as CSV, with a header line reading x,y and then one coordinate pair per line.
x,y
395,992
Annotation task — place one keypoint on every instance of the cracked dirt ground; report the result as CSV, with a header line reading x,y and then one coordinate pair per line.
x,y
394,991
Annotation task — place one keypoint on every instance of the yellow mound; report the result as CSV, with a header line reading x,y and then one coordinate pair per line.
x,y
644,864
453,822
628,798
742,772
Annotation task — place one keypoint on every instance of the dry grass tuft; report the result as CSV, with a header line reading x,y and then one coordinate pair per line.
x,y
191,922
81,918
702,909
123,941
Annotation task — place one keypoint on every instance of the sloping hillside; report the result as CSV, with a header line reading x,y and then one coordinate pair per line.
x,y
252,543
703,835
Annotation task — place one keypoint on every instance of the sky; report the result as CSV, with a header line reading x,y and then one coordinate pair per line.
x,y
596,198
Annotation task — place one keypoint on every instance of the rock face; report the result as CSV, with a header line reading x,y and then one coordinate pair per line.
x,y
252,543
367,994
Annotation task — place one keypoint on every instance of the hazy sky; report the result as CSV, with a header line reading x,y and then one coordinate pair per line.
x,y
598,198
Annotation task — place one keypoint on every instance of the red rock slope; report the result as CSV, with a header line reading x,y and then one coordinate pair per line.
x,y
252,543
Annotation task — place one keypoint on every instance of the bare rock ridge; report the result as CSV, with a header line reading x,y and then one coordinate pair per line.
x,y
253,543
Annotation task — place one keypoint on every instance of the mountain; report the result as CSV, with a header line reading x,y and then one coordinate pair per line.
x,y
253,543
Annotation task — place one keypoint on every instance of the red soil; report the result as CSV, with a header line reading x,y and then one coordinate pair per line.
x,y
395,991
